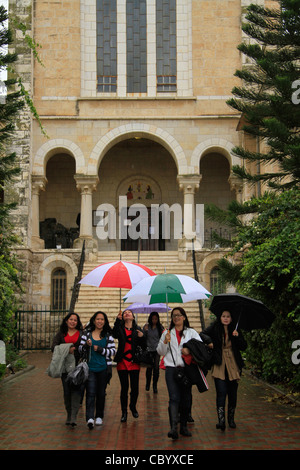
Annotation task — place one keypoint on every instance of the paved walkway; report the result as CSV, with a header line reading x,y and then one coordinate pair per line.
x,y
32,417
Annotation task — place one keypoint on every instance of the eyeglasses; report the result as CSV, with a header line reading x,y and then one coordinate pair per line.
x,y
178,315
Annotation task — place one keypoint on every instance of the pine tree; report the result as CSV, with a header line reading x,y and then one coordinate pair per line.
x,y
10,106
268,97
263,261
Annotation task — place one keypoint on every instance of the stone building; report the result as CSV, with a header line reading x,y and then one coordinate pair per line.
x,y
132,96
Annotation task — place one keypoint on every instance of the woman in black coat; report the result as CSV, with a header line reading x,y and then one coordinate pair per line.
x,y
129,335
227,363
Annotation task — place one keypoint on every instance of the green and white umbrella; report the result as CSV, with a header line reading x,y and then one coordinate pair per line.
x,y
174,288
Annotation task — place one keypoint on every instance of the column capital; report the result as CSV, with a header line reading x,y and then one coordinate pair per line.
x,y
38,184
86,183
189,183
235,182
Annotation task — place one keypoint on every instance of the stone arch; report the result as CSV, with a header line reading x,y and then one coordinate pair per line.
x,y
45,270
47,150
222,146
208,263
147,131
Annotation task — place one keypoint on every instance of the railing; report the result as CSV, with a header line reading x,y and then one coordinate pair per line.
x,y
209,239
36,328
202,322
76,286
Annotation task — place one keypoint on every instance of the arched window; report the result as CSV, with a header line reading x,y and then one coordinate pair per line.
x,y
58,289
217,286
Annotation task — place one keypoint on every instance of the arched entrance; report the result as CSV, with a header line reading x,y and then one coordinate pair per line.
x,y
136,176
214,189
59,203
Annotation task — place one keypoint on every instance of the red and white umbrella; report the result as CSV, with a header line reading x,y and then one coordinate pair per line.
x,y
122,274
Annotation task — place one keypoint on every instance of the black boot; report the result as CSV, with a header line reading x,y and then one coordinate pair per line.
x,y
221,417
124,417
173,415
183,422
230,417
155,380
134,412
184,430
148,378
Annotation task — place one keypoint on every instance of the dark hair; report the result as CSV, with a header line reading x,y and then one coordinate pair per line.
x,y
186,323
159,326
64,326
220,330
106,328
134,324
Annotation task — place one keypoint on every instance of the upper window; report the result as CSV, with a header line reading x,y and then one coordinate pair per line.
x,y
106,45
166,67
136,46
143,47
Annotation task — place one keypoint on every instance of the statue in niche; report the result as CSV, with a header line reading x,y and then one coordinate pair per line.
x,y
129,192
149,193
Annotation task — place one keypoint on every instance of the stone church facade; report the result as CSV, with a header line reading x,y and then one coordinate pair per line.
x,y
132,97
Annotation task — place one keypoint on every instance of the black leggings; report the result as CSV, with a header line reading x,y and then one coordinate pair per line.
x,y
224,388
124,376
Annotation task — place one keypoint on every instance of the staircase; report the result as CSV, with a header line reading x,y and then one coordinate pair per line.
x,y
91,299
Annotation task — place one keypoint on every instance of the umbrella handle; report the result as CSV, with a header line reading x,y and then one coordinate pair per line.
x,y
236,327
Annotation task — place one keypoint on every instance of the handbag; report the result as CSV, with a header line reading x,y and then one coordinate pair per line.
x,y
143,357
79,375
179,373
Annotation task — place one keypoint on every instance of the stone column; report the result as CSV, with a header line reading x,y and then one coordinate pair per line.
x,y
86,185
189,184
236,184
38,184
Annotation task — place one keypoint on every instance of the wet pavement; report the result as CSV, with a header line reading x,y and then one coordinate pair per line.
x,y
32,417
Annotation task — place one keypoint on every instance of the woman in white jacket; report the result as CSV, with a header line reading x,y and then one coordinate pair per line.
x,y
170,346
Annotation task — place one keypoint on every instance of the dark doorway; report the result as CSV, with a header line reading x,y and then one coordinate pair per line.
x,y
141,223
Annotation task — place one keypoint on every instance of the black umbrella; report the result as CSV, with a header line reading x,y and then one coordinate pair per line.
x,y
248,314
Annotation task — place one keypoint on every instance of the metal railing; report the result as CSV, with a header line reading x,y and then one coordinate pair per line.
x,y
201,314
36,328
76,285
209,238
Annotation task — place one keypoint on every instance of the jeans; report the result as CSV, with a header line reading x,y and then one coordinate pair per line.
x,y
224,388
95,392
179,395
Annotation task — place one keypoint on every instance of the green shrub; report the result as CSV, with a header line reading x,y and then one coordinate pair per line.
x,y
269,353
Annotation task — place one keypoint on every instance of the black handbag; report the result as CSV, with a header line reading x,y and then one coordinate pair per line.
x,y
143,357
179,374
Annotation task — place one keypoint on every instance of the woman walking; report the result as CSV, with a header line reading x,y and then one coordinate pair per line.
x,y
171,347
98,345
227,361
153,331
70,332
129,335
